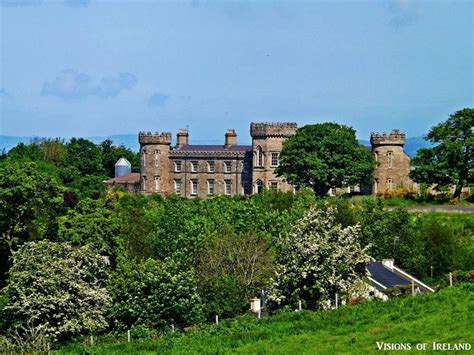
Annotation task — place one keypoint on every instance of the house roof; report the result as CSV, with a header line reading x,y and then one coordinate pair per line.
x,y
213,148
384,276
127,178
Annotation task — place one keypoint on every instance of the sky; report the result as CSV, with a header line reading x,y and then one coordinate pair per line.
x,y
97,68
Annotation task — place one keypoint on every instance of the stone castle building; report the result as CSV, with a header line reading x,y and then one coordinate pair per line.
x,y
231,169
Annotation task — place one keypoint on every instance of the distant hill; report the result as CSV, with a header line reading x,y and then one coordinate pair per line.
x,y
131,141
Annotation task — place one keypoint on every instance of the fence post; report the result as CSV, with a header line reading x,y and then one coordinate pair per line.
x,y
128,336
413,288
337,300
172,328
450,279
92,340
217,319
259,313
299,306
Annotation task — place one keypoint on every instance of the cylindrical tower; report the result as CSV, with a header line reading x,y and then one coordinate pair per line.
x,y
154,162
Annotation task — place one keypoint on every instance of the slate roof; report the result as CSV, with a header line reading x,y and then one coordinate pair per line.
x,y
213,148
130,178
385,276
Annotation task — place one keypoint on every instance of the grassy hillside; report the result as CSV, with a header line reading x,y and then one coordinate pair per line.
x,y
447,316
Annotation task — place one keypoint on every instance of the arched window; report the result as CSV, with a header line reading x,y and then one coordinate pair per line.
x,y
144,156
259,186
390,184
259,156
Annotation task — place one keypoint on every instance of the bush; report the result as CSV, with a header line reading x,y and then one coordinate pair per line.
x,y
58,288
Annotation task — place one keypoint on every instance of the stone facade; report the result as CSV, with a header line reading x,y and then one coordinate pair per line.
x,y
232,169
393,164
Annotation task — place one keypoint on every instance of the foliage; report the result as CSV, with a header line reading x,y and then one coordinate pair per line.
x,y
84,156
90,222
390,234
323,156
316,260
153,294
451,161
59,288
29,202
231,269
347,330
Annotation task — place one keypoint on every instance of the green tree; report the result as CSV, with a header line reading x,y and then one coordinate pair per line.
x,y
30,199
451,161
323,156
154,294
231,269
316,260
59,288
84,156
91,222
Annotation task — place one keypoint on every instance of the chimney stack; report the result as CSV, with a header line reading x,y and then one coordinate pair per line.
x,y
230,138
182,137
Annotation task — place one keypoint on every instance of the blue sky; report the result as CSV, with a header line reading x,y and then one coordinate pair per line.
x,y
89,67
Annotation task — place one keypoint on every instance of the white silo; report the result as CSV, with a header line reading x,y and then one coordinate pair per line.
x,y
122,167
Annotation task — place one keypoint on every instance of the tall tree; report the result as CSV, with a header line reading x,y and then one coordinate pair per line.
x,y
84,156
451,161
323,156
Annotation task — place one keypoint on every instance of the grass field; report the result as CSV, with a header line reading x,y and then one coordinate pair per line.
x,y
444,317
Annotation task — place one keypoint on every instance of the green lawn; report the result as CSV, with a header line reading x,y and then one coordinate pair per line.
x,y
446,316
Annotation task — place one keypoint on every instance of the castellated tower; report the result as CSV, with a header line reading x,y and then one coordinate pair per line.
x,y
393,164
267,142
154,163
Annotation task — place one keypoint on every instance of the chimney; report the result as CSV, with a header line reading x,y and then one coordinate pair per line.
x,y
388,263
230,138
182,137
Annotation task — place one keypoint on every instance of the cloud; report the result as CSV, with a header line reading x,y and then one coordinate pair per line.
x,y
70,84
157,99
19,3
402,13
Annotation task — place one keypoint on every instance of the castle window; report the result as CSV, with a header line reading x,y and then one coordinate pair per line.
x,y
376,186
274,185
157,156
389,159
228,187
227,166
157,183
259,157
211,166
177,166
143,182
144,156
194,187
210,187
194,166
275,158
259,186
177,187
389,184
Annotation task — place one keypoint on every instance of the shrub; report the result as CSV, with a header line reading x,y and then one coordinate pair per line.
x,y
58,288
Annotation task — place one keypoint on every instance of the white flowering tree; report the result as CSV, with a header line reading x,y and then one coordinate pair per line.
x,y
57,288
316,260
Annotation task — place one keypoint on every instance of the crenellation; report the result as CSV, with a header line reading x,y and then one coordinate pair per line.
x,y
263,129
154,138
394,138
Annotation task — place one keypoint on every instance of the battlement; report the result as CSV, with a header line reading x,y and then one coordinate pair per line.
x,y
154,138
264,129
394,138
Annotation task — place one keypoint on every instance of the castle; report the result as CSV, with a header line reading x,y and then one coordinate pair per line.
x,y
231,169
